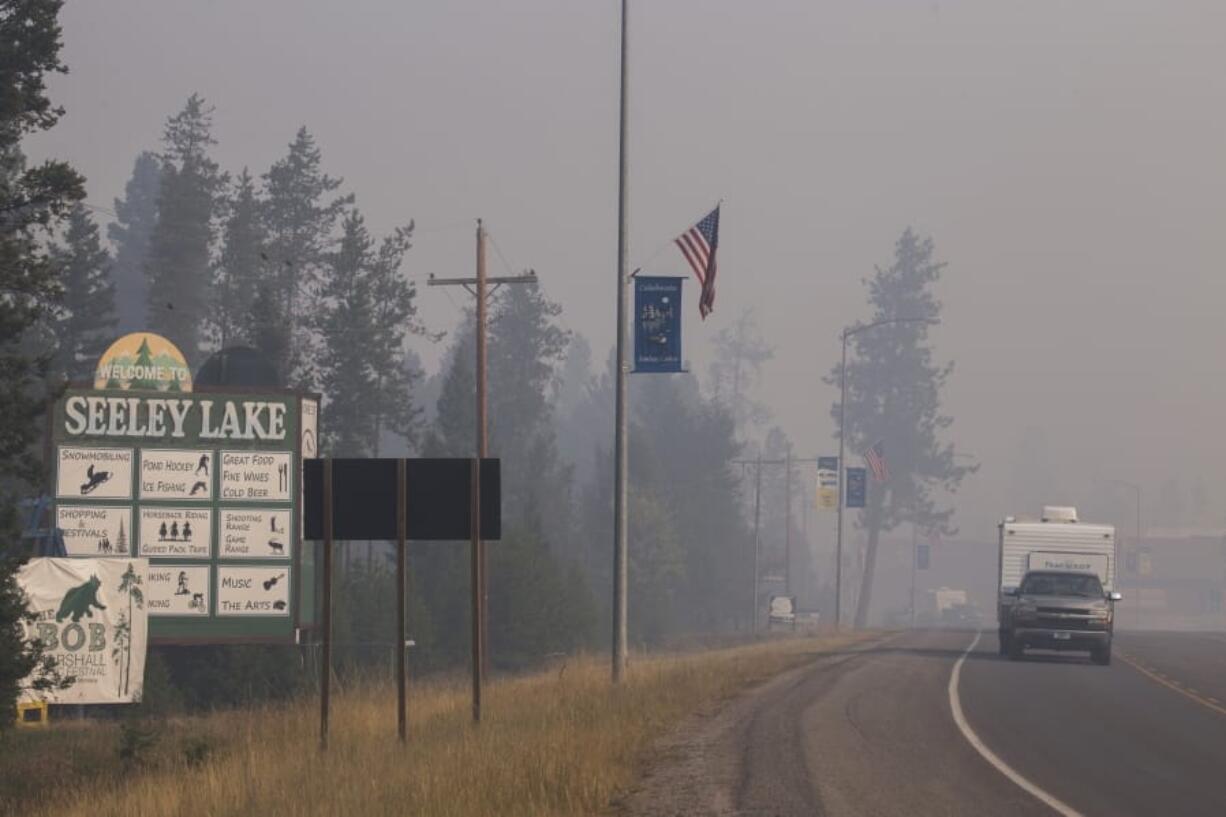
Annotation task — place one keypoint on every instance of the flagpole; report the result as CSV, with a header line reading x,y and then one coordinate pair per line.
x,y
621,458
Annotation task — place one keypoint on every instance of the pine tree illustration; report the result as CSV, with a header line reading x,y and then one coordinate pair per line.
x,y
121,541
144,359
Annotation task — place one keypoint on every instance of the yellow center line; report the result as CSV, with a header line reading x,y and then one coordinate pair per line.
x,y
1175,686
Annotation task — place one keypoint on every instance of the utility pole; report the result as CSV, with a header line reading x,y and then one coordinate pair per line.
x,y
787,526
757,539
479,288
621,449
758,462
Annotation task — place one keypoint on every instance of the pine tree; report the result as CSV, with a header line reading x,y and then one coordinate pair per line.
x,y
540,601
266,329
452,434
893,397
526,351
740,351
130,233
240,264
346,328
32,201
83,324
180,248
394,323
300,215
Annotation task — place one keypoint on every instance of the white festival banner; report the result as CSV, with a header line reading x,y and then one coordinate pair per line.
x,y
90,616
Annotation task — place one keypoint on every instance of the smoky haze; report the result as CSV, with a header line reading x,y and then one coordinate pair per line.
x,y
1065,158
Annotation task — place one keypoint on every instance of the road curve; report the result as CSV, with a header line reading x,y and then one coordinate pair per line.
x,y
870,731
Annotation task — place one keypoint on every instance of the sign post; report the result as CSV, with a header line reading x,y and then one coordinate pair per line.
x,y
402,502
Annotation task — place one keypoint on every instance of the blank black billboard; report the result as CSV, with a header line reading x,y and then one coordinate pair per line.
x,y
436,491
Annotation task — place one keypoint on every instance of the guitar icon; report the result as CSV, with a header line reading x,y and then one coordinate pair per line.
x,y
270,583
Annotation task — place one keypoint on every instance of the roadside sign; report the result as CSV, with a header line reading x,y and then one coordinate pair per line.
x,y
857,487
657,324
206,485
437,494
828,483
782,610
91,618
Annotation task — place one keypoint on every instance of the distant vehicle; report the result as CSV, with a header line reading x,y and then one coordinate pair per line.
x,y
961,616
1057,584
782,612
1060,610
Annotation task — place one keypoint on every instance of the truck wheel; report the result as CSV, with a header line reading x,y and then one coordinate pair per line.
x,y
1016,650
1102,655
1003,638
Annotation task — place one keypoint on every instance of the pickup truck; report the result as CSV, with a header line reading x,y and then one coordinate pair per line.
x,y
1059,610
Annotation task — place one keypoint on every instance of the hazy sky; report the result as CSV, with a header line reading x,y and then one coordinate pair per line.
x,y
1067,158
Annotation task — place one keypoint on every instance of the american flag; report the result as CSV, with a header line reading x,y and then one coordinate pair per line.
x,y
874,457
698,245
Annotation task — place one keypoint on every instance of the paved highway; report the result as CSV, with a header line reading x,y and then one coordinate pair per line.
x,y
875,731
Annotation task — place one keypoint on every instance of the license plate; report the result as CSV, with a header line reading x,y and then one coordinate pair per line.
x,y
1061,636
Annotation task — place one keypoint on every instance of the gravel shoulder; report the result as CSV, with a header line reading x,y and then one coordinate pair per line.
x,y
702,767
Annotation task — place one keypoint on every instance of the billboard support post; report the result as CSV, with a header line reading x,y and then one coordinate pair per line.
x,y
401,557
475,531
325,623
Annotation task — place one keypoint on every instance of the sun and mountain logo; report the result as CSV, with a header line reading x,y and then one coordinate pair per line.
x,y
143,361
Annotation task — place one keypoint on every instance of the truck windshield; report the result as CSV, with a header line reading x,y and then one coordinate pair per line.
x,y
1061,584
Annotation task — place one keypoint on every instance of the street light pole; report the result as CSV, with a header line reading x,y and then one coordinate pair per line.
x,y
838,565
621,459
838,570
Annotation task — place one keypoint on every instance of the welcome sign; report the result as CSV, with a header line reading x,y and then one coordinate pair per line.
x,y
206,485
143,360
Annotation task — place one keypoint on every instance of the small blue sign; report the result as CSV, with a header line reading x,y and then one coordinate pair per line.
x,y
922,556
657,324
857,487
828,464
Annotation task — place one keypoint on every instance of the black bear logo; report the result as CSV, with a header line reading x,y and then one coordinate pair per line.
x,y
78,601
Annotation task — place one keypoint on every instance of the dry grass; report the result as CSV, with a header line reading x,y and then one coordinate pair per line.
x,y
562,742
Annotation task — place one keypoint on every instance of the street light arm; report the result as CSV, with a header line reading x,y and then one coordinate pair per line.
x,y
863,327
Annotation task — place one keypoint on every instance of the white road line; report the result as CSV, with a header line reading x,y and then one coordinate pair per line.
x,y
955,704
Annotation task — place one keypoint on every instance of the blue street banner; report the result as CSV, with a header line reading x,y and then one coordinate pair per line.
x,y
657,324
857,487
922,556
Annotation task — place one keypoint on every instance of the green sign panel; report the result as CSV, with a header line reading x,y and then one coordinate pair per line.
x,y
208,487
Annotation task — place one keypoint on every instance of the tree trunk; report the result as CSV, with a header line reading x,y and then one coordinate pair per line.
x,y
127,673
876,504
